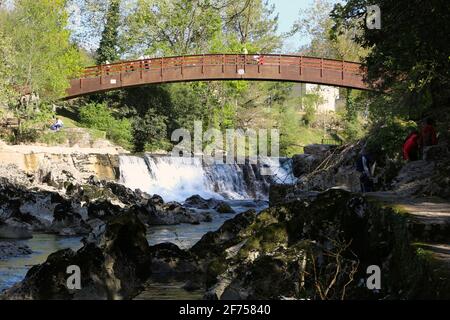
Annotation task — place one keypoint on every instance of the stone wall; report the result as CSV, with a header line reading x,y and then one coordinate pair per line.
x,y
78,166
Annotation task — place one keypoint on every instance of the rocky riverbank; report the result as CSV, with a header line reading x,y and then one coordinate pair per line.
x,y
312,243
316,249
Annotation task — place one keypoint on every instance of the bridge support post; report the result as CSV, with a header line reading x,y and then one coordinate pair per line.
x,y
182,66
279,64
300,65
203,64
321,67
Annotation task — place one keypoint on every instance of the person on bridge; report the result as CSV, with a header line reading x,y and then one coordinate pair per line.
x,y
57,125
261,60
411,147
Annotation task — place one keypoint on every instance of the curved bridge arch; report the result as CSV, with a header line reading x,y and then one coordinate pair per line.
x,y
213,67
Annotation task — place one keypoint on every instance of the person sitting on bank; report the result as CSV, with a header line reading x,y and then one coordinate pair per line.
x,y
57,125
411,147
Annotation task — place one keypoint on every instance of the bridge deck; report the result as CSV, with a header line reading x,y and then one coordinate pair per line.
x,y
209,67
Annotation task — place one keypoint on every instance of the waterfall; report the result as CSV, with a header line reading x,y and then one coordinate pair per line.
x,y
176,179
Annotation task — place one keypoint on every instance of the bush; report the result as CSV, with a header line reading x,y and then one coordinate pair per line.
x,y
389,137
149,132
98,116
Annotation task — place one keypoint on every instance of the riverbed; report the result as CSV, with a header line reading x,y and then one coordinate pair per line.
x,y
13,270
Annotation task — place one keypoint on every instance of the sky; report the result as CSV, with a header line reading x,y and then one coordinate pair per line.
x,y
288,11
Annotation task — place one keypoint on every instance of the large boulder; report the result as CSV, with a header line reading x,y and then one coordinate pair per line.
x,y
304,164
113,267
320,151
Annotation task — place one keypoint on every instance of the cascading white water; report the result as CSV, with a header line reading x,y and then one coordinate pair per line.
x,y
134,172
176,179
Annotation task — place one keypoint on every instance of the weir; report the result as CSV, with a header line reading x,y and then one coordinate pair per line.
x,y
177,178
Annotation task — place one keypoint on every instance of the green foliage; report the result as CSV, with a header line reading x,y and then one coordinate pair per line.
x,y
100,117
388,138
7,68
409,54
310,102
315,23
97,116
108,49
34,120
150,132
45,58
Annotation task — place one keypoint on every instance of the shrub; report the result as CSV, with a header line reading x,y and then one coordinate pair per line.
x,y
389,137
98,116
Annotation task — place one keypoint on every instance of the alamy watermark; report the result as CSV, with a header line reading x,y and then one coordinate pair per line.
x,y
74,280
374,280
235,146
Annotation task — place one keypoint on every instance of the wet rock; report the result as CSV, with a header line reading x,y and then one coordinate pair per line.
x,y
11,249
198,202
116,268
223,207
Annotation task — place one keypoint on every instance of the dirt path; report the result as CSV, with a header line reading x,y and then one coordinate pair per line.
x,y
429,223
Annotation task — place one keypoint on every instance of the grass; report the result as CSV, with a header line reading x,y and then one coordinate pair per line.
x,y
63,136
304,137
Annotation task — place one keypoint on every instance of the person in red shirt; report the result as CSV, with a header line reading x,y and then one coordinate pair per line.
x,y
411,147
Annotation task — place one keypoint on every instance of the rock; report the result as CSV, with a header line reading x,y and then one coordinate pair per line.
x,y
198,202
304,164
11,232
116,268
223,207
278,193
228,235
320,151
12,249
436,153
157,200
192,285
167,258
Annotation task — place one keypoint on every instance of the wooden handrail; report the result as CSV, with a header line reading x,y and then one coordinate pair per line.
x,y
221,59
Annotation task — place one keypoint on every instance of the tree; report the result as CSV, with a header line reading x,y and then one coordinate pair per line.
x,y
108,49
7,68
183,27
46,59
316,24
409,54
149,132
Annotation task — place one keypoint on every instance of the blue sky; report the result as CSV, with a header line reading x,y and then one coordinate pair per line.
x,y
288,13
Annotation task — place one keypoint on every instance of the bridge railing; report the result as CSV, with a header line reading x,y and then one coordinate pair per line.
x,y
238,60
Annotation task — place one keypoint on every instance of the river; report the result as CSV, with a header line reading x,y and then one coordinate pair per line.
x,y
175,179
